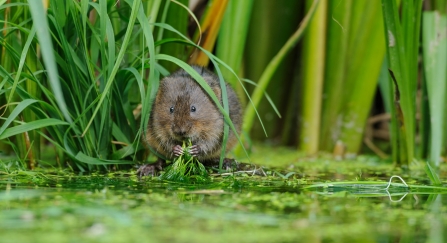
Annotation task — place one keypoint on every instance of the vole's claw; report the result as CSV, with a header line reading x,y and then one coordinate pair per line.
x,y
195,150
177,150
151,169
146,170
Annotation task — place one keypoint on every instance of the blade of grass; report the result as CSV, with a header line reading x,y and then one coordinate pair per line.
x,y
30,126
19,108
432,174
110,79
32,64
95,161
177,17
148,97
41,25
152,10
22,62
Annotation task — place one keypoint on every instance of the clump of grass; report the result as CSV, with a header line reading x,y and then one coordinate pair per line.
x,y
186,168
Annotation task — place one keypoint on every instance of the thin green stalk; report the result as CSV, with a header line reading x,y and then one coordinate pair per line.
x,y
313,75
177,17
264,40
152,10
264,80
6,63
424,123
387,91
32,89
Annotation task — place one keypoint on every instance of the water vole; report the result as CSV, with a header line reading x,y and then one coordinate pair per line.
x,y
183,110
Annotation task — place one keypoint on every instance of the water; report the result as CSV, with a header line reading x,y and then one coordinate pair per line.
x,y
117,207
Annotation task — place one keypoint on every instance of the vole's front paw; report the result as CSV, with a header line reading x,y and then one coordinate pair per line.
x,y
195,150
177,150
151,169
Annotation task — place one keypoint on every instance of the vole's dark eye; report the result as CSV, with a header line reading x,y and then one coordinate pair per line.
x,y
171,109
193,109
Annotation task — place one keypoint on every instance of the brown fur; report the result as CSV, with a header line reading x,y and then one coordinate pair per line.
x,y
204,126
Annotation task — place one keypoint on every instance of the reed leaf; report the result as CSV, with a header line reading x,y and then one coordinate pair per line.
x,y
265,38
402,45
362,73
266,76
314,44
232,39
435,58
209,27
339,16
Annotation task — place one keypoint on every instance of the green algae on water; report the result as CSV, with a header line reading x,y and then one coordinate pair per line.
x,y
186,168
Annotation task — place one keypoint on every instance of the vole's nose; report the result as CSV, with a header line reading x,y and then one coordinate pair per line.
x,y
180,133
179,130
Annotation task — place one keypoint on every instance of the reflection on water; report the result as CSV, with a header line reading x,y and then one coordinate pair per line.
x,y
119,208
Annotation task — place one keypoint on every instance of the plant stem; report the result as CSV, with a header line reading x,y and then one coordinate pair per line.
x,y
314,45
264,80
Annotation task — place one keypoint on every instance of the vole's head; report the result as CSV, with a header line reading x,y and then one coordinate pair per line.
x,y
184,111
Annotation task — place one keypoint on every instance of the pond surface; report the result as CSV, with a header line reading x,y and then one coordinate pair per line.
x,y
118,207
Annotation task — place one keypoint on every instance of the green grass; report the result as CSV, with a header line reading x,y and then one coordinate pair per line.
x,y
95,64
82,75
186,168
